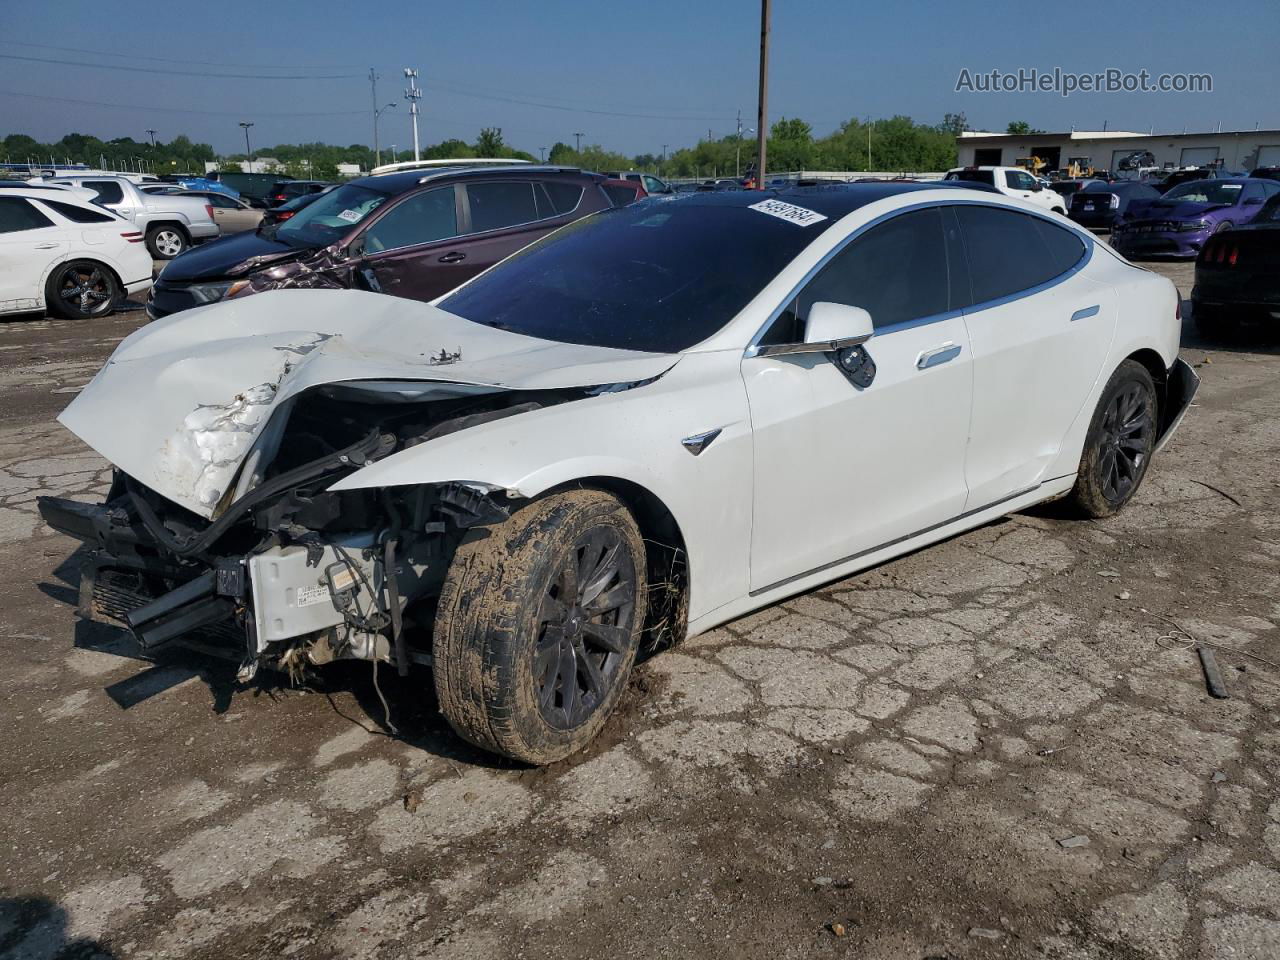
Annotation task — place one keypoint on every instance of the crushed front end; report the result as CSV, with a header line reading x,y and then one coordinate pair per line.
x,y
287,573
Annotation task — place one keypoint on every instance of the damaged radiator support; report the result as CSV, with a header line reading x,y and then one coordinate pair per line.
x,y
182,611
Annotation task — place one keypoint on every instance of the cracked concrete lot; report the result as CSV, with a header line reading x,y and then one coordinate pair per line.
x,y
985,749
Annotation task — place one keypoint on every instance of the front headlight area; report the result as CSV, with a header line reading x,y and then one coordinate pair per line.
x,y
1193,226
213,292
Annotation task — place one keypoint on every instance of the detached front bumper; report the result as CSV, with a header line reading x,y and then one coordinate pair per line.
x,y
1180,390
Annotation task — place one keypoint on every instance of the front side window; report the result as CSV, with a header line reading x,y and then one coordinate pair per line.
x,y
17,214
108,190
1009,252
896,271
501,204
972,176
421,218
1018,180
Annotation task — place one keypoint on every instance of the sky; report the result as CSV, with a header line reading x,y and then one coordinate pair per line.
x,y
630,77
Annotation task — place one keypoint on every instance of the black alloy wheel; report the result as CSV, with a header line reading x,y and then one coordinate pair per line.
x,y
82,289
1127,431
585,628
1120,442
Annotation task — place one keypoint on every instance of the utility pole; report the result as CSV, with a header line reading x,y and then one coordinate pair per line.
x,y
542,154
577,137
664,158
868,146
762,118
373,82
248,151
377,154
153,137
413,95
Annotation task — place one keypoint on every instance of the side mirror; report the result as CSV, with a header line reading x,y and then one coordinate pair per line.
x,y
830,327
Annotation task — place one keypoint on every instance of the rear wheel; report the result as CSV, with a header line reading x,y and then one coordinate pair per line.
x,y
81,289
1121,439
166,242
538,626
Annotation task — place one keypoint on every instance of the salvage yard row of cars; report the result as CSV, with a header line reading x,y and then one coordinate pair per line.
x,y
594,443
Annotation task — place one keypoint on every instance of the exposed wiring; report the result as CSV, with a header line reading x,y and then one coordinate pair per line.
x,y
386,710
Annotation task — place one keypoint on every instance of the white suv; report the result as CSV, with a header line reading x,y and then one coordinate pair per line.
x,y
61,253
1012,182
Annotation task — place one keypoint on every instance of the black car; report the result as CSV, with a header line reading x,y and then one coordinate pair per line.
x,y
1098,204
288,210
1267,173
412,233
286,190
1193,173
254,188
1238,275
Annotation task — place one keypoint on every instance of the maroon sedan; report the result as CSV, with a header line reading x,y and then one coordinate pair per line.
x,y
415,234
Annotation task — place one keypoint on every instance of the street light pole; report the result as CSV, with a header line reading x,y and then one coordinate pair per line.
x,y
762,116
247,149
577,137
542,154
153,137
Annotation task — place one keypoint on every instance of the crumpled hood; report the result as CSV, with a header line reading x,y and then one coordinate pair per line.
x,y
221,258
181,401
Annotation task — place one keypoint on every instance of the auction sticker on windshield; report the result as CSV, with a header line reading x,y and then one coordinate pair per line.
x,y
800,216
351,216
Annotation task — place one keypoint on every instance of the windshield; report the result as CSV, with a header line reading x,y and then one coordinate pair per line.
x,y
656,276
331,216
1206,191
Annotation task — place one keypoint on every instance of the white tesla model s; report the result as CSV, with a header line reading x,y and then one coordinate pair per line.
x,y
646,424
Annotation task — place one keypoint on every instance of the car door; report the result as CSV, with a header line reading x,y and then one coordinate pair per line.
x,y
503,216
842,469
1250,203
111,194
30,243
410,249
1040,330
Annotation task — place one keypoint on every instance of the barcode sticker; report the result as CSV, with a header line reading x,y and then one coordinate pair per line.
x,y
800,216
307,596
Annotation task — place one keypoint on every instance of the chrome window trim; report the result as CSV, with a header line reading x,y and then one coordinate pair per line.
x,y
1089,243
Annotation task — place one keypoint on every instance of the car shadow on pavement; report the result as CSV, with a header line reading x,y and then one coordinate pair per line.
x,y
35,927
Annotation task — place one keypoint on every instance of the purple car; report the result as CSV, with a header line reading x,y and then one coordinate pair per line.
x,y
1179,223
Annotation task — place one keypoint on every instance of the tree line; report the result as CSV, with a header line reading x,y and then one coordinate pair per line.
x,y
893,144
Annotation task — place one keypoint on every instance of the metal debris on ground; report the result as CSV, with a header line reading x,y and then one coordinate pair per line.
x,y
1212,675
1218,777
1184,638
985,933
1077,841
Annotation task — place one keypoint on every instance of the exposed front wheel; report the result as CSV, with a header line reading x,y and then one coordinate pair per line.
x,y
1122,436
538,626
81,289
165,242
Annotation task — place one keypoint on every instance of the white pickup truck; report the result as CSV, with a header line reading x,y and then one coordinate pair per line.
x,y
170,223
1012,182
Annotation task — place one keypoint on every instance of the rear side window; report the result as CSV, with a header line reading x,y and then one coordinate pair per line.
x,y
565,197
16,214
1009,252
973,176
79,214
896,271
619,195
498,205
108,190
423,218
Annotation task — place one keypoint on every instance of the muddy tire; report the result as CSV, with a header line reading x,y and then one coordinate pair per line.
x,y
1122,436
538,626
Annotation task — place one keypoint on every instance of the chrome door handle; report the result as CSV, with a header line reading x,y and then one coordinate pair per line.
x,y
453,256
1086,313
938,355
46,246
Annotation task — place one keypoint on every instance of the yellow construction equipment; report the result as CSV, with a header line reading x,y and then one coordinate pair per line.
x,y
1031,164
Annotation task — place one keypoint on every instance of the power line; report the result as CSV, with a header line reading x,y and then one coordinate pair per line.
x,y
154,109
460,92
183,60
183,73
